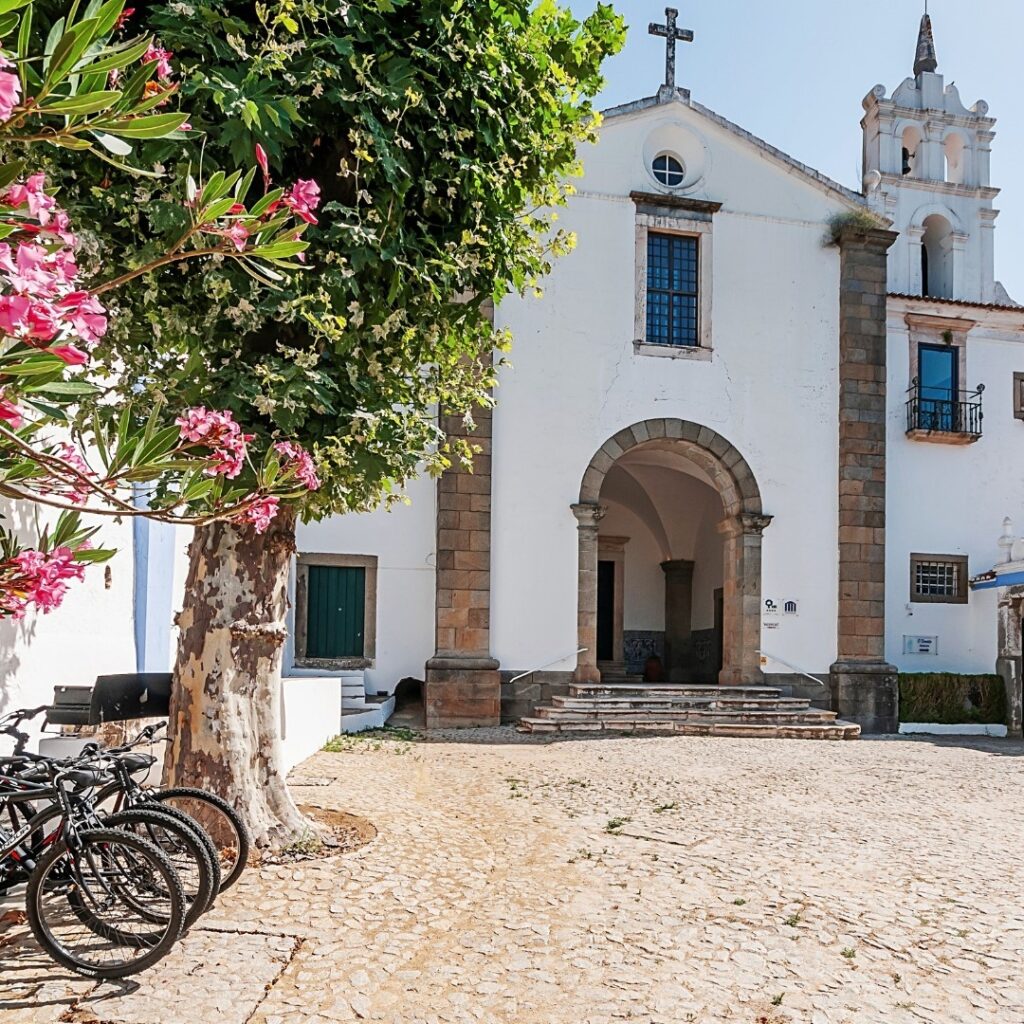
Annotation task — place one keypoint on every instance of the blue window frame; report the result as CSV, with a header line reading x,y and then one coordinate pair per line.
x,y
938,382
672,275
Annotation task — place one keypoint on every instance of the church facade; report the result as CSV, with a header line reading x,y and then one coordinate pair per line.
x,y
748,432
757,430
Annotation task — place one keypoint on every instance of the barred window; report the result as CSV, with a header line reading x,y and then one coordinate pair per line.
x,y
939,579
672,268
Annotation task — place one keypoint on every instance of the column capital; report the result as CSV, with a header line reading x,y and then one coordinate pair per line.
x,y
747,524
589,515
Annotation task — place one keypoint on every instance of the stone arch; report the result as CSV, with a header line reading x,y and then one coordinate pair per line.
x,y
708,449
743,524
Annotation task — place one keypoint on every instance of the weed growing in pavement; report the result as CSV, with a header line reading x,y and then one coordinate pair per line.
x,y
849,953
739,901
615,824
793,920
393,739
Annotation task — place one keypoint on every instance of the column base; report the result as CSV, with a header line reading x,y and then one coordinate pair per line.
x,y
462,693
1009,669
868,694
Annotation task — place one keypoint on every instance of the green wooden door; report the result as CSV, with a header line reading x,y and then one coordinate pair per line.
x,y
336,611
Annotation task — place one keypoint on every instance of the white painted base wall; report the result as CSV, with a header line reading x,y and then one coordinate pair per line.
x,y
932,729
311,716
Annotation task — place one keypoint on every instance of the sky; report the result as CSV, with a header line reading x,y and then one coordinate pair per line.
x,y
795,72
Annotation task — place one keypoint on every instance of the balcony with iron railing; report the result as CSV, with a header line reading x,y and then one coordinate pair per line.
x,y
943,416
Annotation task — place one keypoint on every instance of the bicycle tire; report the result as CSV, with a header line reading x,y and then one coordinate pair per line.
x,y
200,833
178,840
242,838
156,948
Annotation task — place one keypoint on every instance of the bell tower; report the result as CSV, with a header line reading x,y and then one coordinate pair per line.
x,y
927,169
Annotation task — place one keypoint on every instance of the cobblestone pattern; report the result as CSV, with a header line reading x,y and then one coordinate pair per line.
x,y
654,881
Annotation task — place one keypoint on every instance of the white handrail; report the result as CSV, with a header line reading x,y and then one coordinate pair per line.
x,y
540,668
799,671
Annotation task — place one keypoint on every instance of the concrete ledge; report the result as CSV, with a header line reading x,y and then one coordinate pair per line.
x,y
311,715
934,729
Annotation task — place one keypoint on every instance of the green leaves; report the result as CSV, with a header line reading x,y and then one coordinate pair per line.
x,y
156,126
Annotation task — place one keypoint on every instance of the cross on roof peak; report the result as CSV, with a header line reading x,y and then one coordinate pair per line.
x,y
672,35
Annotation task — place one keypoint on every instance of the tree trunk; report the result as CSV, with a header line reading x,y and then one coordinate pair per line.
x,y
225,723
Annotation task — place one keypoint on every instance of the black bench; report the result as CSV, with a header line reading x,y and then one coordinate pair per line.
x,y
117,698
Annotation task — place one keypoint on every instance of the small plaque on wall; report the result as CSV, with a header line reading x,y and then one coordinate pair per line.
x,y
920,645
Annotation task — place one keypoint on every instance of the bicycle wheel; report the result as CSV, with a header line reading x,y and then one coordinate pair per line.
x,y
220,821
185,850
200,833
105,865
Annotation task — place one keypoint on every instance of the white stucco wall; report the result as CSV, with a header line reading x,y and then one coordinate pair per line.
x,y
950,499
770,388
404,540
91,633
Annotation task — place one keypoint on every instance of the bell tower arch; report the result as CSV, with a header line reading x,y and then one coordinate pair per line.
x,y
927,170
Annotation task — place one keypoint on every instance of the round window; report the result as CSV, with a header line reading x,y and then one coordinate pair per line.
x,y
668,170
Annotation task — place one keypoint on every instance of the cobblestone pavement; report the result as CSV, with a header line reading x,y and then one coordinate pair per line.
x,y
649,880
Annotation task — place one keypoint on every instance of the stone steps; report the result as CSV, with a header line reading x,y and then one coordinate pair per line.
x,y
836,730
604,689
672,702
812,715
686,709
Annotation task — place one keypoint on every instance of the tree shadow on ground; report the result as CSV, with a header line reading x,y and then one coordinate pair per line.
x,y
1008,747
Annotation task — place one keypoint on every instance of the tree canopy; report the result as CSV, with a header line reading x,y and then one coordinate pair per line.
x,y
442,135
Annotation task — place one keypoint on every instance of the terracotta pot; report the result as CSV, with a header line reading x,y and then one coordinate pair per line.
x,y
654,670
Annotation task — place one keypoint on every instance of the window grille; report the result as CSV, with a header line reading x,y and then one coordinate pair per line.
x,y
940,579
672,275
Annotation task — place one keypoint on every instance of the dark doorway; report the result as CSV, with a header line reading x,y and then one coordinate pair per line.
x,y
719,631
605,611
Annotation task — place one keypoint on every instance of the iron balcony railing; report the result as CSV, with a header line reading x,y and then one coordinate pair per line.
x,y
944,411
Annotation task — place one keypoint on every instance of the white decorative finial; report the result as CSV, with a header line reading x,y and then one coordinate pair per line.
x,y
1007,540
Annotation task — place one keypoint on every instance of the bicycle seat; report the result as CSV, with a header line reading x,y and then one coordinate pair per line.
x,y
86,778
137,762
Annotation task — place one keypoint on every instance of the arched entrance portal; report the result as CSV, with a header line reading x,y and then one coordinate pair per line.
x,y
670,523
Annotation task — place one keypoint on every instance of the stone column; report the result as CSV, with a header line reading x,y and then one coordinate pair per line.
x,y
864,685
588,518
741,600
678,619
1008,663
462,686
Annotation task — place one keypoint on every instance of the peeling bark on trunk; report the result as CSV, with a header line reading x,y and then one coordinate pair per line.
x,y
225,723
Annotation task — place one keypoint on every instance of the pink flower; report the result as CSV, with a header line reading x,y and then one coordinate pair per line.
x,y
10,413
303,199
10,90
41,577
219,432
239,234
43,322
201,425
76,490
163,61
260,513
70,354
32,192
13,312
60,226
84,313
264,165
300,462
